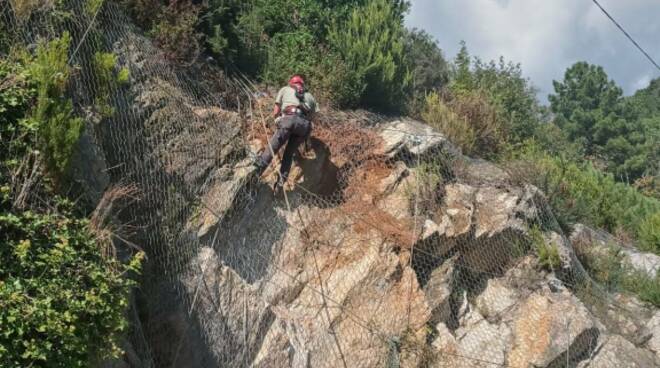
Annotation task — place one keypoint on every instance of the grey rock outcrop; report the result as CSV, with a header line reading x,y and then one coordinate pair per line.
x,y
615,351
600,243
337,292
653,328
411,138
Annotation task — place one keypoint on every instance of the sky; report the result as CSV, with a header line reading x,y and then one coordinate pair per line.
x,y
548,36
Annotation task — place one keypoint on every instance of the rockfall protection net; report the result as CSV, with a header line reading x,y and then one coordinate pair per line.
x,y
387,249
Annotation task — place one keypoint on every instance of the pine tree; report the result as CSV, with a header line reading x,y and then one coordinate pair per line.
x,y
372,43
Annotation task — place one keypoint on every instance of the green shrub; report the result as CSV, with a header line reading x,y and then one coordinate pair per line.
x,y
143,12
440,116
372,43
468,120
645,287
609,270
578,192
61,302
426,191
53,119
327,75
621,134
16,94
175,31
107,79
4,38
92,7
430,70
548,254
505,89
649,233
23,9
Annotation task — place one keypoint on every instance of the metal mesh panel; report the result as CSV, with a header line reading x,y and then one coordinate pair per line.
x,y
388,247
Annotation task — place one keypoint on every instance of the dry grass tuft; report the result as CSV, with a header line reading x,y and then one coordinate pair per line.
x,y
104,224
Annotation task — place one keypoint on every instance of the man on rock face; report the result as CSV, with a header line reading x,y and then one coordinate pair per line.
x,y
295,108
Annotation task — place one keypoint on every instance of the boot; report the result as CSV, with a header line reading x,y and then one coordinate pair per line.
x,y
278,185
260,166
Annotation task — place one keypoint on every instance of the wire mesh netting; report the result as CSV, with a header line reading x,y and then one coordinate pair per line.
x,y
388,248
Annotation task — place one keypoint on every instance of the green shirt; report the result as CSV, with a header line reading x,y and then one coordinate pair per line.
x,y
287,97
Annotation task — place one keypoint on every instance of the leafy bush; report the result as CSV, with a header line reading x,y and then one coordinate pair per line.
x,y
428,189
580,192
553,140
548,254
371,41
92,7
437,114
296,53
144,12
505,88
609,270
430,70
175,31
16,93
620,134
4,38
219,23
649,233
23,9
107,78
61,303
468,120
53,120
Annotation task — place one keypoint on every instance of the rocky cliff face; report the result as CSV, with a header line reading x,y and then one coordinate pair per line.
x,y
390,248
354,270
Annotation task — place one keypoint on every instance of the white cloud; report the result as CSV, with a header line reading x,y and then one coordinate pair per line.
x,y
641,82
546,36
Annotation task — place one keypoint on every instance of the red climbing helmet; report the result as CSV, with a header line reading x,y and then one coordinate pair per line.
x,y
296,79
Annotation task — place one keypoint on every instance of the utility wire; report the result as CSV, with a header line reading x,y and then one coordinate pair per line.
x,y
627,35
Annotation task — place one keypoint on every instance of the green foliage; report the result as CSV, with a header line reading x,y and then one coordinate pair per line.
x,y
506,89
440,116
610,270
23,9
175,31
16,93
4,38
61,303
289,53
107,79
371,41
352,51
647,99
553,140
548,254
219,24
16,96
649,233
622,134
585,102
144,12
580,192
468,120
239,32
57,128
426,191
92,7
430,70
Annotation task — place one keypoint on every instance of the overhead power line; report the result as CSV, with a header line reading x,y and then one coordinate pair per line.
x,y
627,35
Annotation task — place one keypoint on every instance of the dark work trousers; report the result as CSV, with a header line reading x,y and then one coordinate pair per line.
x,y
292,129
